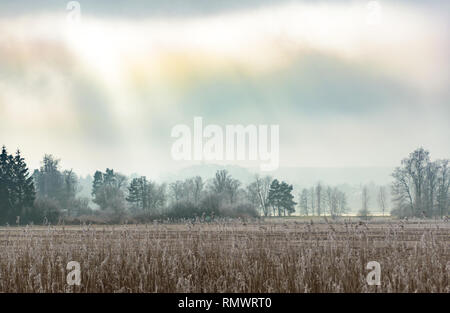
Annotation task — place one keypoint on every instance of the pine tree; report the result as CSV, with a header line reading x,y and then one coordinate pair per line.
x,y
142,193
23,185
98,182
109,178
281,198
135,193
287,202
274,197
5,186
16,187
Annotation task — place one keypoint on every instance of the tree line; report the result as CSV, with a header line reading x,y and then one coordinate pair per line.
x,y
50,194
420,188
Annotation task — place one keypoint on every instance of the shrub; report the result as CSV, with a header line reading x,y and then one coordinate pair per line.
x,y
45,210
241,210
184,209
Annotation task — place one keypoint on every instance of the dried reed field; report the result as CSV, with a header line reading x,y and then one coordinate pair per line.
x,y
228,256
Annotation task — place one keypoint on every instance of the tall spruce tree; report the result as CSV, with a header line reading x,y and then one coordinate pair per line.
x,y
5,186
287,202
16,188
274,196
23,185
97,183
135,193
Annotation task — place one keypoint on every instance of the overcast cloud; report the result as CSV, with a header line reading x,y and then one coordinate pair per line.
x,y
107,92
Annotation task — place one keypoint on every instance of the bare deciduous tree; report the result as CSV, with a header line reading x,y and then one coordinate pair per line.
x,y
382,198
365,198
304,208
420,186
259,193
312,197
319,199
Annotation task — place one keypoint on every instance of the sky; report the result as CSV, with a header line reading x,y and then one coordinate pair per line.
x,y
350,83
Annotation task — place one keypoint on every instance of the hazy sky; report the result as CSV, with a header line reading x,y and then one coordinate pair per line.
x,y
106,92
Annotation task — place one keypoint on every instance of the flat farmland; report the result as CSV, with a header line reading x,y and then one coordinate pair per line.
x,y
285,255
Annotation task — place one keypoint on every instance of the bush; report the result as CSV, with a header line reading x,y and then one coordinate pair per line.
x,y
142,217
184,209
401,212
79,206
99,217
364,214
211,204
45,210
241,210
